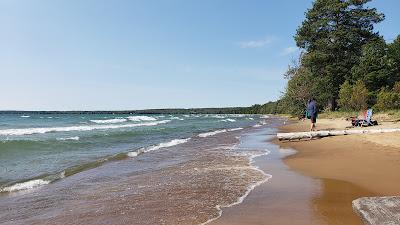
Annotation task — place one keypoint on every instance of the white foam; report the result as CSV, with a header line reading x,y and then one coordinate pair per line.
x,y
24,116
237,115
133,154
76,138
235,129
218,116
264,116
42,130
212,133
141,118
158,146
257,125
228,120
25,185
116,120
167,144
249,189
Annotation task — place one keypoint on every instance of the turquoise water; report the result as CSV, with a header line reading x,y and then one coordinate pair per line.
x,y
48,147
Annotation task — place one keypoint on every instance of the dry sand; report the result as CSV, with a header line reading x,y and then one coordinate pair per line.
x,y
342,167
349,166
370,161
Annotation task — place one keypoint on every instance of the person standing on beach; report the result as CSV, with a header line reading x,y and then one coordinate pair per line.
x,y
312,112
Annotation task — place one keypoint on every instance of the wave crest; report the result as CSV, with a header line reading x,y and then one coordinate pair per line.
x,y
42,130
116,120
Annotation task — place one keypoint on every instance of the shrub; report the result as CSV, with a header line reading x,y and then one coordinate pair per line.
x,y
359,96
345,93
388,99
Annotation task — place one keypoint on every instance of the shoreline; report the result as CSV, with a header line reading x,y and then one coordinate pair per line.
x,y
330,173
349,167
285,198
182,184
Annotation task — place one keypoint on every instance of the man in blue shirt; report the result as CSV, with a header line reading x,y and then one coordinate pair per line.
x,y
312,112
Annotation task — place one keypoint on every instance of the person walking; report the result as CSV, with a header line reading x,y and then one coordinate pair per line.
x,y
312,112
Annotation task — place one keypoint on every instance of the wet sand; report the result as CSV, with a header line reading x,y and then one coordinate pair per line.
x,y
182,184
349,167
317,184
285,198
369,161
189,183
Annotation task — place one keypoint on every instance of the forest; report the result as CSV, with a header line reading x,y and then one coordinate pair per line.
x,y
345,64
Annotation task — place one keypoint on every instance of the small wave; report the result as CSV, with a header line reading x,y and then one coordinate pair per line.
x,y
264,116
235,129
176,118
228,120
141,118
257,125
116,120
24,116
158,146
133,154
42,130
237,115
218,116
76,138
25,185
212,133
240,199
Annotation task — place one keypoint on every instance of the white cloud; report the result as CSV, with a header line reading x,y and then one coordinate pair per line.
x,y
289,50
256,43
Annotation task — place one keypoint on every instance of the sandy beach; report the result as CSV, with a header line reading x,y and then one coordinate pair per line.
x,y
317,184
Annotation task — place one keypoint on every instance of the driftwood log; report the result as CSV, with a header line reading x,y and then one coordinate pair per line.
x,y
378,210
326,133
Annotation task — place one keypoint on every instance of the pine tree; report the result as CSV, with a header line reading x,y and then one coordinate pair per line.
x,y
332,36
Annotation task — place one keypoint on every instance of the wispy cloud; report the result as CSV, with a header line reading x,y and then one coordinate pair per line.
x,y
256,43
289,50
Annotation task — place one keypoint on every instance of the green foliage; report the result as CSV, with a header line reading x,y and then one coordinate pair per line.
x,y
394,54
389,99
332,36
344,60
396,87
375,68
345,94
353,97
267,108
359,97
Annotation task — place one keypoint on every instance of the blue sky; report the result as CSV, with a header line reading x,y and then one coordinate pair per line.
x,y
111,55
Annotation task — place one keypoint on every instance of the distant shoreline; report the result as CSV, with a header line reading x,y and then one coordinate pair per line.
x,y
225,110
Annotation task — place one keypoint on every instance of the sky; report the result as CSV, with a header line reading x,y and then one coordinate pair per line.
x,y
140,54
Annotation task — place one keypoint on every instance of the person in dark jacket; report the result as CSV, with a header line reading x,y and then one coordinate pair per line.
x,y
312,112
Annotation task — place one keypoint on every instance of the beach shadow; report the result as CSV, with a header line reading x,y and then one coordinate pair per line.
x,y
334,203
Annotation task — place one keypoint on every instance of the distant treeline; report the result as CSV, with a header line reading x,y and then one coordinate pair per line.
x,y
228,110
345,64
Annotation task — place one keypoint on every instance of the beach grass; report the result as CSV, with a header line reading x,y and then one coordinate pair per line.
x,y
388,115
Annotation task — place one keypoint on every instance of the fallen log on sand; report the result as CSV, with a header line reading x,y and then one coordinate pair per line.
x,y
326,133
378,210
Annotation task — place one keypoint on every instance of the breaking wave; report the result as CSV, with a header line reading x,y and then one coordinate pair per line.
x,y
158,146
141,118
42,130
116,120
